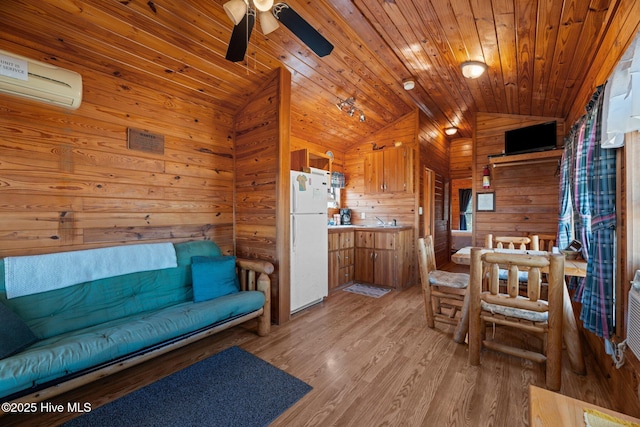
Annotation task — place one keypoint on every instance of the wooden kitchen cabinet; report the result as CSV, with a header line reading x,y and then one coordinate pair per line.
x,y
341,257
383,256
389,171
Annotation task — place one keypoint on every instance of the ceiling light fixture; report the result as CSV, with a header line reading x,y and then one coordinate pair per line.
x,y
268,22
349,106
451,131
236,9
408,84
473,69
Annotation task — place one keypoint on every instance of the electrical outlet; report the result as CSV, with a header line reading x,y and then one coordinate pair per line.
x,y
363,215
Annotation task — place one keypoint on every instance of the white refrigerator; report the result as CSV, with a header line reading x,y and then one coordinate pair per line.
x,y
309,241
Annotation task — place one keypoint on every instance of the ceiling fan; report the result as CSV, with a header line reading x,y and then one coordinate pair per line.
x,y
243,14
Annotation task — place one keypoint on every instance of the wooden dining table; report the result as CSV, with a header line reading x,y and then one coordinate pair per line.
x,y
550,409
571,335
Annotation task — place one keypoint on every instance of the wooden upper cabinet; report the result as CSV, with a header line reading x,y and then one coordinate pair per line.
x,y
373,172
389,171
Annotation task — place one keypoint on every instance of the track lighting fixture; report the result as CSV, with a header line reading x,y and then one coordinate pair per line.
x,y
349,107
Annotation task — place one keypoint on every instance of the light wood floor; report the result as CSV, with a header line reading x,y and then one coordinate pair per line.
x,y
370,362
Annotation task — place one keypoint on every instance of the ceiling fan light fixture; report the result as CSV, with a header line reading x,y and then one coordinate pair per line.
x,y
451,131
473,69
236,9
263,5
268,22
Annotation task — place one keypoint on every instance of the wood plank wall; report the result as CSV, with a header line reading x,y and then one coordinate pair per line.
x,y
526,196
262,181
461,158
68,180
434,155
387,206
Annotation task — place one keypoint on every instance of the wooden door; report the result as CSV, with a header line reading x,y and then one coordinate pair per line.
x,y
364,265
334,260
395,170
428,202
384,268
373,172
334,270
334,241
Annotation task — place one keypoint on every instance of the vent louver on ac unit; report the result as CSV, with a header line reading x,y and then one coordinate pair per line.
x,y
633,320
45,83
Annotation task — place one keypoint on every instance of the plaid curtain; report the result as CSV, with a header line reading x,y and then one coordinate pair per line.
x,y
582,169
598,296
588,182
565,232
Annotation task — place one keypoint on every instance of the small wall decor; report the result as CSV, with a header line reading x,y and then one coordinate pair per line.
x,y
485,202
143,140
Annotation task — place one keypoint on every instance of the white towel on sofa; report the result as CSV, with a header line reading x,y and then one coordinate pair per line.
x,y
26,275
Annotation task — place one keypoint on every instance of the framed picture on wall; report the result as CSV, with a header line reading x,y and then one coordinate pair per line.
x,y
485,202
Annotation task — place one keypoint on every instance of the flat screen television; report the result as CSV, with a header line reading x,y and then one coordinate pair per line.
x,y
529,139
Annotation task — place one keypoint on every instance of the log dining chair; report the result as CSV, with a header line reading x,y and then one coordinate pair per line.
x,y
518,243
443,291
543,242
507,242
531,314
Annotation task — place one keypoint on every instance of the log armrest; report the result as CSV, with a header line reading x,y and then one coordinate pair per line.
x,y
248,269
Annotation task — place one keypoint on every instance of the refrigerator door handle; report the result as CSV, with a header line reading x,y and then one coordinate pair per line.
x,y
294,207
293,233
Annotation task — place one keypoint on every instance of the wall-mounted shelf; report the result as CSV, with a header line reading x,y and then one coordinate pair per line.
x,y
527,158
304,158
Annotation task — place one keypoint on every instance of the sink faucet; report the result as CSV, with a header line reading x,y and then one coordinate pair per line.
x,y
380,222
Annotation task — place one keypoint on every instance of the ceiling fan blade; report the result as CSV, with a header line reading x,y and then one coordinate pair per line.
x,y
302,29
240,37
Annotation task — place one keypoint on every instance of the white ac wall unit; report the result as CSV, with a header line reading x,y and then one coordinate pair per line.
x,y
44,83
633,319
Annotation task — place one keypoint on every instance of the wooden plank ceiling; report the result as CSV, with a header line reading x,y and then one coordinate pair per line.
x,y
537,52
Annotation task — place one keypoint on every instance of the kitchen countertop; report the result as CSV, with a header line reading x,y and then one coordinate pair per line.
x,y
368,227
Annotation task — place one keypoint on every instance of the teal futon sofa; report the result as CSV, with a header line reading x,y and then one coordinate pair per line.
x,y
59,339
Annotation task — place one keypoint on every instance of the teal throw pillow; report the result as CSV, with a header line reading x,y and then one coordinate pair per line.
x,y
15,335
213,277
